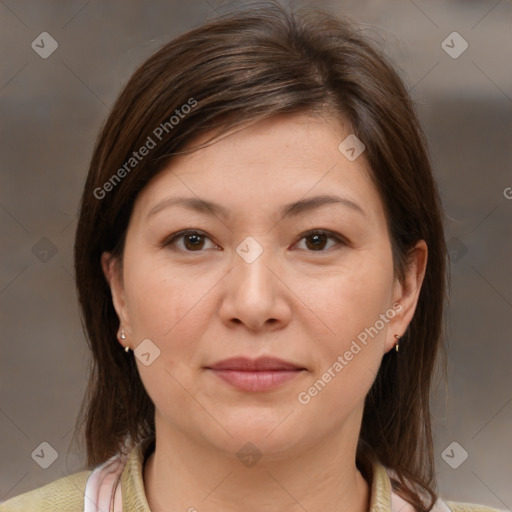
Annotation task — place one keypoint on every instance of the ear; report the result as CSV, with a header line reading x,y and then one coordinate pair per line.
x,y
407,293
113,275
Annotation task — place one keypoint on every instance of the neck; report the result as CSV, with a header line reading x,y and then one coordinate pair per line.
x,y
182,474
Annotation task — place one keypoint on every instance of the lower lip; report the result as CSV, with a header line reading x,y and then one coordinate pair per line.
x,y
256,381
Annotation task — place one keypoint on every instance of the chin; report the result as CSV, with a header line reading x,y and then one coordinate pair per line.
x,y
269,436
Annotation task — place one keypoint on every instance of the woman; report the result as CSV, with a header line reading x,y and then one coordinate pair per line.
x,y
260,263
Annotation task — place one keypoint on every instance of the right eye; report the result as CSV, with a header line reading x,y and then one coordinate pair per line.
x,y
193,241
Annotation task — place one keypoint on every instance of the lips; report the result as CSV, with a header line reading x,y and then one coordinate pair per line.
x,y
245,364
262,374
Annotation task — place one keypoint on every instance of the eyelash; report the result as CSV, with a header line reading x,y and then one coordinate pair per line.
x,y
330,234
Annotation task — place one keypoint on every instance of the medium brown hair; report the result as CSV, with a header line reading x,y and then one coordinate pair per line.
x,y
239,68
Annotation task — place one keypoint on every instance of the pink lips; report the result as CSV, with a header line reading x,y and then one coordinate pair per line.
x,y
260,374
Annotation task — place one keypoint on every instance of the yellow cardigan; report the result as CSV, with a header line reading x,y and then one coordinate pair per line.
x,y
67,494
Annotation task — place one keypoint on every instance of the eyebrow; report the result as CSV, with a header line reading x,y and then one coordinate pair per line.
x,y
289,210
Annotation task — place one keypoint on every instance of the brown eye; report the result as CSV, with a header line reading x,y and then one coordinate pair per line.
x,y
317,240
192,241
195,241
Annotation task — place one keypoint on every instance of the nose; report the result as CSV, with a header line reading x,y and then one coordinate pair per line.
x,y
255,295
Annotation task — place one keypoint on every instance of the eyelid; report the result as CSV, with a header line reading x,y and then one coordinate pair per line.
x,y
340,239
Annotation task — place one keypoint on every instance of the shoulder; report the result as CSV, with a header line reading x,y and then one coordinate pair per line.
x,y
63,495
456,506
441,505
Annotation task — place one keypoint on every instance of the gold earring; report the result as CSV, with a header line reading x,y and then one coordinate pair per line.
x,y
397,341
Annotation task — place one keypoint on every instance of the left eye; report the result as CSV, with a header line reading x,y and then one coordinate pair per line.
x,y
194,241
318,239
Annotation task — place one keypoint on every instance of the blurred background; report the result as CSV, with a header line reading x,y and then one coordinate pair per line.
x,y
62,66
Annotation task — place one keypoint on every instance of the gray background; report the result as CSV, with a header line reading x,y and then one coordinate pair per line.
x,y
51,112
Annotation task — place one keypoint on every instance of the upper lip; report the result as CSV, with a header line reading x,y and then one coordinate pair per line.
x,y
260,364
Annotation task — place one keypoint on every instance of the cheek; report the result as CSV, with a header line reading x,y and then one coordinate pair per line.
x,y
346,360
353,296
353,308
158,296
171,306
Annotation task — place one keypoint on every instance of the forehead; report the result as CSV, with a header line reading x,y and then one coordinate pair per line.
x,y
265,165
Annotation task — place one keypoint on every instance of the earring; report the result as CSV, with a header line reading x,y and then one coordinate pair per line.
x,y
397,341
123,337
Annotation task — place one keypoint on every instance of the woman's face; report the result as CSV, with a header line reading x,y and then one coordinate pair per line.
x,y
247,278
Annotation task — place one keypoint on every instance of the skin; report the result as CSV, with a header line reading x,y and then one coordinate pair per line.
x,y
298,301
